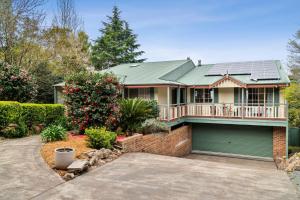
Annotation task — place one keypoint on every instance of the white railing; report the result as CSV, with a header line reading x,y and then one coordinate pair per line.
x,y
224,110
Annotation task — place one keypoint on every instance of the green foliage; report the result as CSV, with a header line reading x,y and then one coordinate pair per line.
x,y
64,122
100,138
294,57
91,99
67,52
292,95
293,149
9,113
45,79
53,112
153,126
17,130
294,117
116,45
16,84
33,114
134,112
28,113
53,133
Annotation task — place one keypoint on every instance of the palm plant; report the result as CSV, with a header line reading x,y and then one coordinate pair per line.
x,y
133,113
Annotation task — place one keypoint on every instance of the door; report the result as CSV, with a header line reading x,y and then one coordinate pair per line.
x,y
233,139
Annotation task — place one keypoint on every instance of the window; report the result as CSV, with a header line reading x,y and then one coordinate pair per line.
x,y
203,96
256,96
182,95
139,93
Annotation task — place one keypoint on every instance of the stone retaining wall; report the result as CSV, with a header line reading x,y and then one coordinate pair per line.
x,y
175,143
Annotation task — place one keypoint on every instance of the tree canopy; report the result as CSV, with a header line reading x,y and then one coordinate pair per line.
x,y
294,57
117,44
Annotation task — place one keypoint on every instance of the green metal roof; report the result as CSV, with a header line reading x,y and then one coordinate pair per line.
x,y
164,72
179,72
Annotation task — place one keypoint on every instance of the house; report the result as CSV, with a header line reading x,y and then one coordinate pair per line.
x,y
235,108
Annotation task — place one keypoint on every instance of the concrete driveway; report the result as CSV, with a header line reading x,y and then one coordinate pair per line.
x,y
146,176
23,172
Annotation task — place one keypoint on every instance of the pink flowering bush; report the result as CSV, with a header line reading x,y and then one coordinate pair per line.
x,y
91,100
16,84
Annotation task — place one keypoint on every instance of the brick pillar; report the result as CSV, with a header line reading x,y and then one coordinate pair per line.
x,y
279,142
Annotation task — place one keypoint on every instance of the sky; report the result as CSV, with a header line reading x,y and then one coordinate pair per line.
x,y
211,30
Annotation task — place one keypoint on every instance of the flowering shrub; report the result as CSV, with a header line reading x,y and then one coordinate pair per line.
x,y
91,99
16,84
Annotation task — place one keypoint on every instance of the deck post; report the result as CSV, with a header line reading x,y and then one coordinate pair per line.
x,y
242,113
168,103
178,102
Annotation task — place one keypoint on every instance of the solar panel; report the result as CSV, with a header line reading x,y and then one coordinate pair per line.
x,y
258,70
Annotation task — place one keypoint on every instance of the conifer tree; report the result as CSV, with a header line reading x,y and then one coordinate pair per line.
x,y
116,45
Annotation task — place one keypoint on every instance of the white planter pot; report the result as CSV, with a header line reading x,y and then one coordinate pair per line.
x,y
64,157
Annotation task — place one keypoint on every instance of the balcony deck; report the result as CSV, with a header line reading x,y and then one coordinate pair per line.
x,y
224,111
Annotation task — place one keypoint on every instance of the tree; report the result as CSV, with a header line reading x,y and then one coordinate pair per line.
x,y
67,52
45,79
67,16
20,22
294,57
292,95
116,45
16,84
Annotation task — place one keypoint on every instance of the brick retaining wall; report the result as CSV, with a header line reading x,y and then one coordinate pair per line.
x,y
175,143
279,142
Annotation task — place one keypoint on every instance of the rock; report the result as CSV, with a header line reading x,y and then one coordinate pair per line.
x,y
100,162
68,176
93,160
91,153
106,153
117,152
113,156
78,166
99,154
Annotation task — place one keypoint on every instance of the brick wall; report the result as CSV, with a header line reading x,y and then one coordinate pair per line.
x,y
279,142
175,143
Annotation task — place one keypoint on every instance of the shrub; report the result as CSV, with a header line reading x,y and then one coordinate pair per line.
x,y
134,112
154,109
91,99
33,113
294,117
100,138
64,122
15,130
293,149
153,126
53,133
9,113
28,113
53,112
16,84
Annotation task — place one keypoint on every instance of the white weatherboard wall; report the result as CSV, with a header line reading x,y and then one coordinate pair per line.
x,y
226,95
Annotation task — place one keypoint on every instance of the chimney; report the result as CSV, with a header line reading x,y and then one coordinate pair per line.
x,y
199,63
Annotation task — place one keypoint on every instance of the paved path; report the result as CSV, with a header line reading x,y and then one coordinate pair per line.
x,y
23,173
146,176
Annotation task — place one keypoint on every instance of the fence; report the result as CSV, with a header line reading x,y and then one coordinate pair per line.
x,y
294,136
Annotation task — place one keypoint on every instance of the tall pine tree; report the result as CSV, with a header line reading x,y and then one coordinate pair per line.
x,y
117,44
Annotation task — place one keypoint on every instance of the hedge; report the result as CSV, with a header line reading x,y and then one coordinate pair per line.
x,y
30,113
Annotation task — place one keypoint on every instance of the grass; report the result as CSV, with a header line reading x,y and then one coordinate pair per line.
x,y
77,142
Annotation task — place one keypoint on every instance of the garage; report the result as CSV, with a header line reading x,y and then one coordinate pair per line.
x,y
254,141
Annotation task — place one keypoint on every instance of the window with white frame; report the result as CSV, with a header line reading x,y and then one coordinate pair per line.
x,y
203,96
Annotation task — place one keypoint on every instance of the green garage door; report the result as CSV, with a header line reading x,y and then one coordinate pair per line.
x,y
233,139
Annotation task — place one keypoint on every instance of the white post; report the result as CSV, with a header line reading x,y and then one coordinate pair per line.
x,y
242,103
168,102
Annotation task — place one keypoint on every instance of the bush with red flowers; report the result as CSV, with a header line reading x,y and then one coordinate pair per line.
x,y
91,99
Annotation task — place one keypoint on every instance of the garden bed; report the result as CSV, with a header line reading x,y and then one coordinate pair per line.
x,y
93,157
